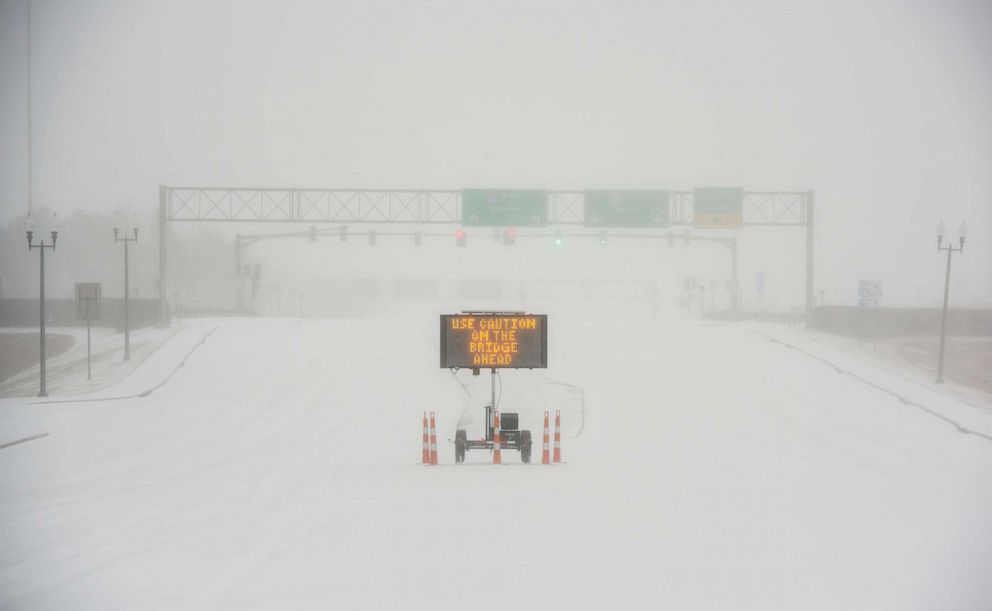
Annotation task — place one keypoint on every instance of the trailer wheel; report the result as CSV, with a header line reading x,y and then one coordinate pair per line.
x,y
461,439
525,443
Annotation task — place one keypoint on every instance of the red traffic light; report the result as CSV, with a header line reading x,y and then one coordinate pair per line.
x,y
509,236
460,237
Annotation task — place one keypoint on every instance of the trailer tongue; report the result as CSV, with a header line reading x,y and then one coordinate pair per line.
x,y
510,437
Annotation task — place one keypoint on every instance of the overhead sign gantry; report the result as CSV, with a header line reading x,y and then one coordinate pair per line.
x,y
643,209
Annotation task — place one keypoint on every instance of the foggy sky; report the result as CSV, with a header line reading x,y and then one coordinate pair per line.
x,y
881,108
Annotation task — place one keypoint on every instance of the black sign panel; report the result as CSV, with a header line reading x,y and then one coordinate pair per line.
x,y
500,341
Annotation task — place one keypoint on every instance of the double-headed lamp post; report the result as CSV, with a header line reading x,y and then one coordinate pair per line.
x,y
41,246
950,248
127,291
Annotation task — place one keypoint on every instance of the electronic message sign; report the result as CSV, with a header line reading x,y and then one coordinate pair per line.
x,y
626,208
494,341
504,207
717,208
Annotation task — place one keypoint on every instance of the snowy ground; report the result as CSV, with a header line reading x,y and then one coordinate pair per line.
x,y
708,467
66,373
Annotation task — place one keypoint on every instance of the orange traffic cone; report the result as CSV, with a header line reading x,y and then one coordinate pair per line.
x,y
557,458
433,441
497,445
545,458
426,454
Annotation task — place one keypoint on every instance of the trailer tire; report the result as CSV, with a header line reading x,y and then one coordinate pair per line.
x,y
461,439
525,444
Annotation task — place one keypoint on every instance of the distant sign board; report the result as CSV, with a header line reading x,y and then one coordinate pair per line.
x,y
718,208
500,341
869,292
504,207
88,300
604,208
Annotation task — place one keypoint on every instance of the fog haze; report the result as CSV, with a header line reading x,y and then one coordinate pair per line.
x,y
880,108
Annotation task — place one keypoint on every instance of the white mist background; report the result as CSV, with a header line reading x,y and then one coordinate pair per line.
x,y
880,108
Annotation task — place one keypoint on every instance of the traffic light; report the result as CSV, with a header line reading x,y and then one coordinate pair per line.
x,y
344,233
559,238
460,237
416,238
313,234
372,237
509,236
602,238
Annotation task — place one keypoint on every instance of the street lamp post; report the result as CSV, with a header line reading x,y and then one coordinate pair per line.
x,y
41,246
950,248
127,291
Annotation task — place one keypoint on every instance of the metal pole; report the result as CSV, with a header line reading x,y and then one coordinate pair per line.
x,y
127,327
943,319
163,305
493,378
874,328
30,152
238,276
43,391
733,272
89,368
809,255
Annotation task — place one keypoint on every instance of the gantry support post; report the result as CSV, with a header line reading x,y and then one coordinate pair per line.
x,y
163,222
809,257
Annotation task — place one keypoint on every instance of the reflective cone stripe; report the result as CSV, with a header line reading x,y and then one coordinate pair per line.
x,y
497,444
426,454
433,441
557,457
545,458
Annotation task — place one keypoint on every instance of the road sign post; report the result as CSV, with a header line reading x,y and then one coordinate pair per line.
x,y
88,308
759,286
869,292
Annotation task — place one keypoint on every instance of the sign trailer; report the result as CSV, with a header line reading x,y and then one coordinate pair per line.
x,y
494,340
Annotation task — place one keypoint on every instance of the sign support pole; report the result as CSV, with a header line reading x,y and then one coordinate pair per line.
x,y
809,256
493,387
734,298
89,369
163,218
238,276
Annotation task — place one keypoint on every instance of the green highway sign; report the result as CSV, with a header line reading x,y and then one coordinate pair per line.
x,y
718,208
504,207
605,208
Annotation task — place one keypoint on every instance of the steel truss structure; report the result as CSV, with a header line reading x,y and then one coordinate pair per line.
x,y
443,207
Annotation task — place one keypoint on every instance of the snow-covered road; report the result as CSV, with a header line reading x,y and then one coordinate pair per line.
x,y
707,468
